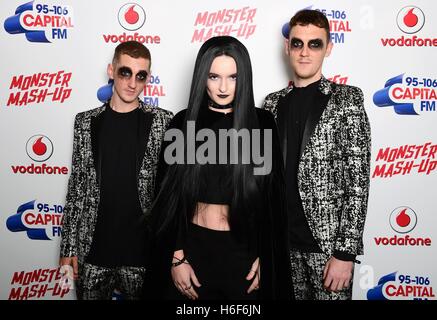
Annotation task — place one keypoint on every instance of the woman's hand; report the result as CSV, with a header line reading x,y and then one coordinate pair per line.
x,y
184,277
254,275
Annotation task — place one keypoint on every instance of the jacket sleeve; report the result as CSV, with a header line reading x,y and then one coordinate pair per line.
x,y
356,143
74,200
269,103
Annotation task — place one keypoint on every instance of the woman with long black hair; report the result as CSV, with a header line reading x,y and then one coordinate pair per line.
x,y
219,222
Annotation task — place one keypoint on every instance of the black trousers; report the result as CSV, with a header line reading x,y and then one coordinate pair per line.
x,y
220,263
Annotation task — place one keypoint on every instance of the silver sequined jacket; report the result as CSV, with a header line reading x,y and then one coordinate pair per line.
x,y
82,201
333,173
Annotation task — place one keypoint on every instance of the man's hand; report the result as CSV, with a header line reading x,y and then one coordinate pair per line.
x,y
337,274
71,262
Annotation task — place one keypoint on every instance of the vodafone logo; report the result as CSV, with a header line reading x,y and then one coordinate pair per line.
x,y
39,148
403,219
410,19
131,16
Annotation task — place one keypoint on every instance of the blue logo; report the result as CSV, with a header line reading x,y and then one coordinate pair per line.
x,y
401,92
40,221
104,93
376,293
394,286
40,22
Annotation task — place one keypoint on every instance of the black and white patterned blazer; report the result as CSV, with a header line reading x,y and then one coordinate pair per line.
x,y
80,212
334,166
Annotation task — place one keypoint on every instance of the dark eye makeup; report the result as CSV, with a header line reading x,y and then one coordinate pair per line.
x,y
126,73
314,44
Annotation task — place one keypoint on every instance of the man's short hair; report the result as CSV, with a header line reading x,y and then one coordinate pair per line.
x,y
133,49
307,16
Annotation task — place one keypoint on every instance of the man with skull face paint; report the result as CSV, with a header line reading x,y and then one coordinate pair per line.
x,y
104,242
325,138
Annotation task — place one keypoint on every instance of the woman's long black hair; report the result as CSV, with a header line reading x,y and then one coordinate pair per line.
x,y
176,201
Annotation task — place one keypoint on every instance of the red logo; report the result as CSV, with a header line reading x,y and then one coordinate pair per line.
x,y
405,160
131,16
410,19
39,88
237,22
38,284
403,219
39,148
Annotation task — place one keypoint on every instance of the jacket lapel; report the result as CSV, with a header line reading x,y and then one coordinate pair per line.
x,y
282,111
96,123
144,125
321,99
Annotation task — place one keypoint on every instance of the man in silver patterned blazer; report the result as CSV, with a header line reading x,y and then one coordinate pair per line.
x,y
111,187
325,138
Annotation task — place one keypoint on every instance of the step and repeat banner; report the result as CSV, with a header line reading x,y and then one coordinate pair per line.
x,y
53,65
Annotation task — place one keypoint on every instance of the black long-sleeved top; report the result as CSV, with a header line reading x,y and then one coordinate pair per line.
x,y
215,185
119,237
271,219
296,114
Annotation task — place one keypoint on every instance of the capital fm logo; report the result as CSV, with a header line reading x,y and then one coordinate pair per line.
x,y
40,221
237,22
40,21
339,24
153,91
39,148
402,286
131,17
403,220
408,95
410,20
104,93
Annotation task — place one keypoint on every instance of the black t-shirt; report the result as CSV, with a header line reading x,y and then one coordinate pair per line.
x,y
301,103
120,237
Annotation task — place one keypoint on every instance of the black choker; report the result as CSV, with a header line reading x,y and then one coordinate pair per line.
x,y
214,105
